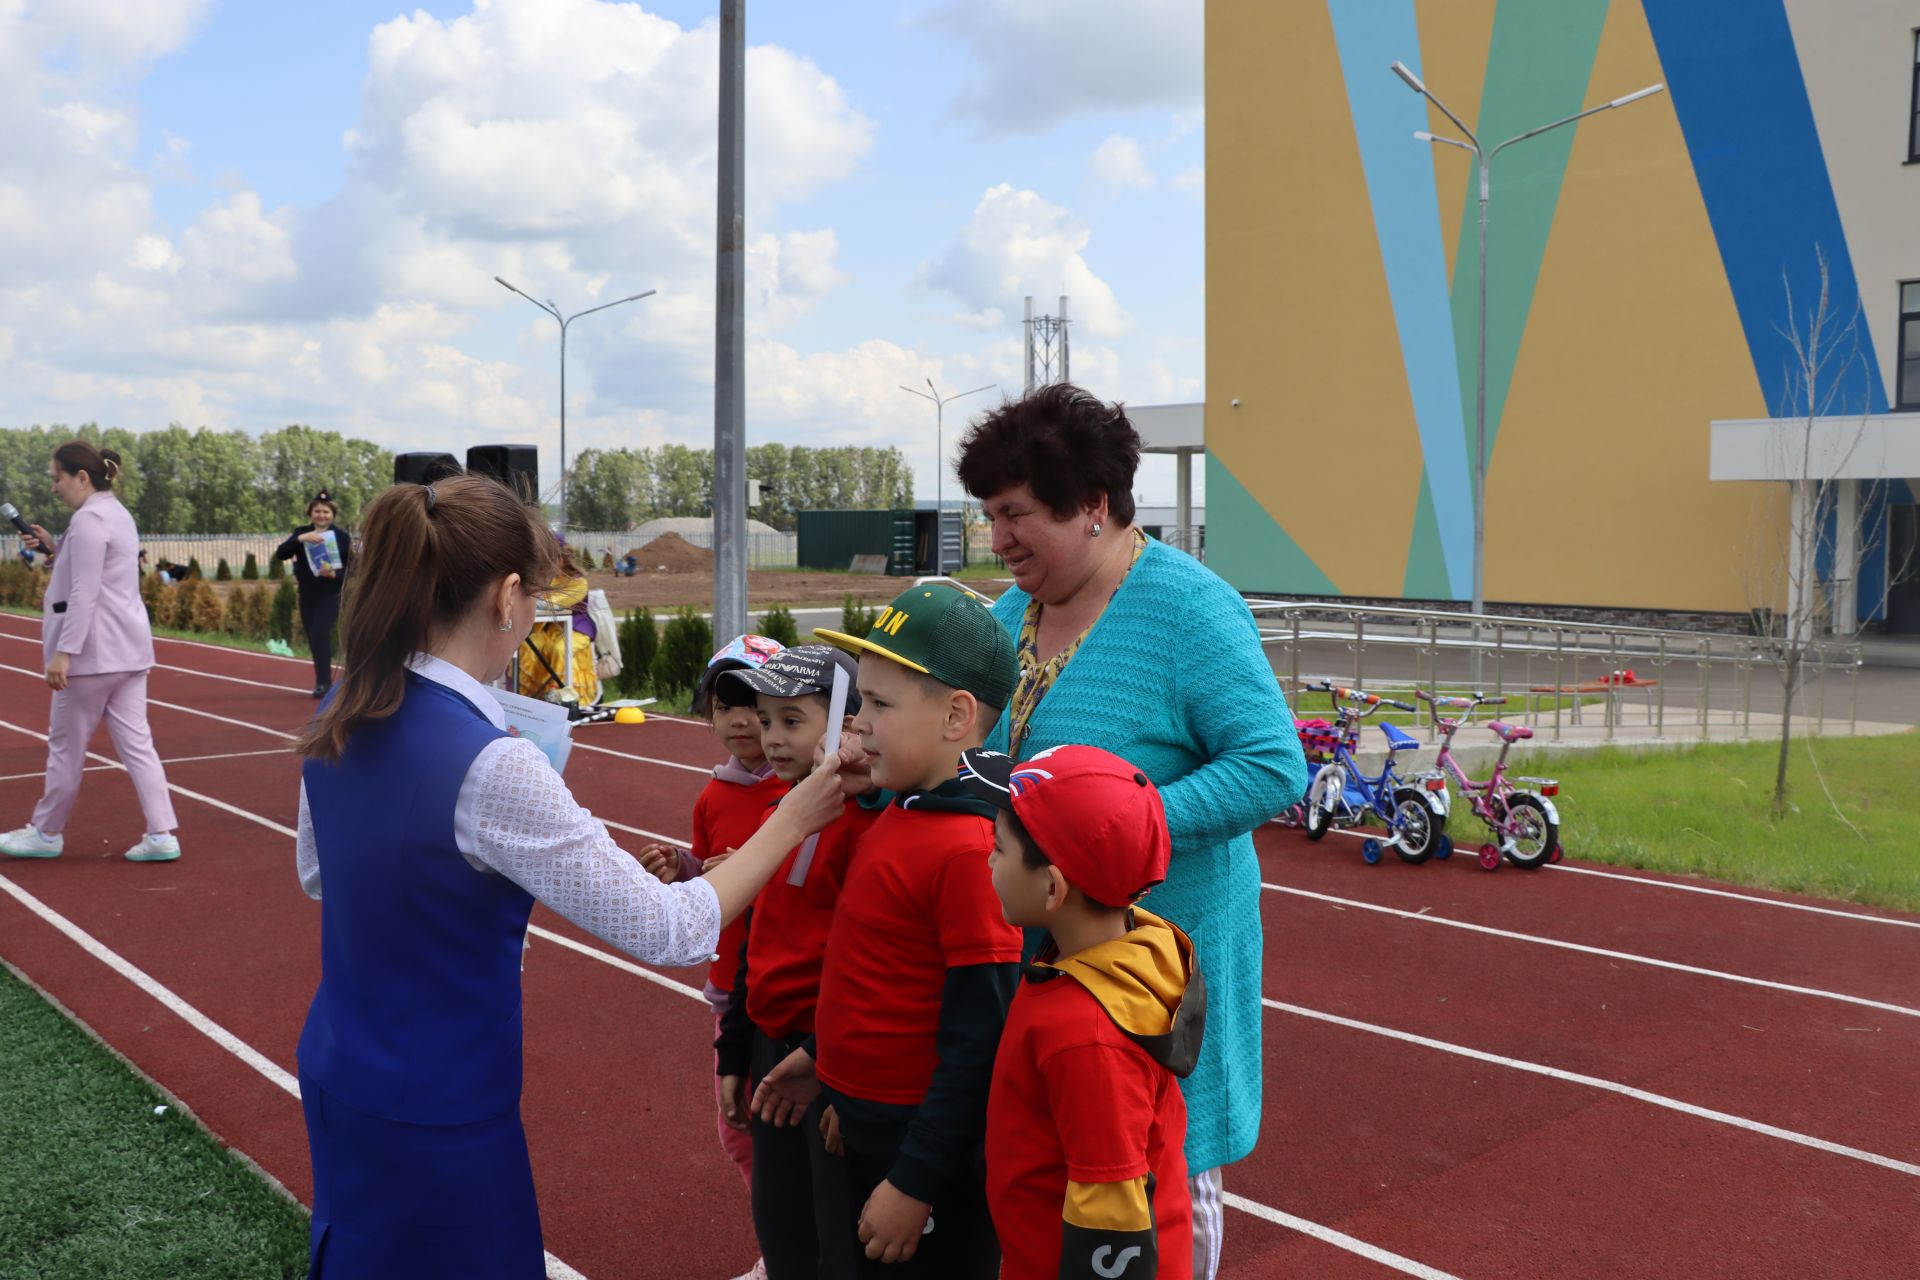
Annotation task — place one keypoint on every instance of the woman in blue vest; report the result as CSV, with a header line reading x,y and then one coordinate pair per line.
x,y
427,831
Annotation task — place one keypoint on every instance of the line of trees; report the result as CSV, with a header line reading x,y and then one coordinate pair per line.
x,y
615,488
204,481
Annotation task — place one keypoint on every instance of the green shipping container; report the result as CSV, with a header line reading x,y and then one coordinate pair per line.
x,y
831,539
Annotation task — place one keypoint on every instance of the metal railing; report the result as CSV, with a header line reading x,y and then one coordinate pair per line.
x,y
1558,674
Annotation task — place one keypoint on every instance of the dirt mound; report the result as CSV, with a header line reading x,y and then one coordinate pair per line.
x,y
671,553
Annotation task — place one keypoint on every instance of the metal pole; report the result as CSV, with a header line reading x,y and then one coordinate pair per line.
x,y
1482,162
729,355
563,425
939,487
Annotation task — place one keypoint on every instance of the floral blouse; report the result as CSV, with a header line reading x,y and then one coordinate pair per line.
x,y
1036,677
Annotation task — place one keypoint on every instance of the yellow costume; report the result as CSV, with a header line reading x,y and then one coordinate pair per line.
x,y
547,638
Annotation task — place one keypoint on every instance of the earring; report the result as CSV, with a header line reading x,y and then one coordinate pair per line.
x,y
506,624
1096,530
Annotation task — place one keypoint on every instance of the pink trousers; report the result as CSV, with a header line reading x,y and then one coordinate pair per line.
x,y
121,698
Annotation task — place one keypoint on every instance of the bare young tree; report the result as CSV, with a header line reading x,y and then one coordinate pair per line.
x,y
1829,514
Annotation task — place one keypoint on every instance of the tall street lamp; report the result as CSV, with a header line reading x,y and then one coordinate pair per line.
x,y
940,404
554,311
1483,164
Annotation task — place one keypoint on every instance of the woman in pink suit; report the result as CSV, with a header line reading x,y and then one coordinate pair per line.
x,y
98,649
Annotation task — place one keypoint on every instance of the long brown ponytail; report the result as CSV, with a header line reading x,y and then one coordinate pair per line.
x,y
430,552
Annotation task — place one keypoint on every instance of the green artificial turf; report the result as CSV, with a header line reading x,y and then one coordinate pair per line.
x,y
94,1184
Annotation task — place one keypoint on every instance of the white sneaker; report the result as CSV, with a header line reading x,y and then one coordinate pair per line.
x,y
152,848
759,1271
28,842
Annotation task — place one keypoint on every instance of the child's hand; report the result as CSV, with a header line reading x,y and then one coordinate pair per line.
x,y
716,861
661,861
830,1131
892,1223
856,773
733,1101
787,1091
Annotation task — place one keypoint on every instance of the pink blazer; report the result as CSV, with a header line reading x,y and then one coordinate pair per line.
x,y
96,576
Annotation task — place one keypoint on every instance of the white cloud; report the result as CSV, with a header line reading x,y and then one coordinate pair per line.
x,y
1038,64
1192,179
1018,244
1118,164
549,141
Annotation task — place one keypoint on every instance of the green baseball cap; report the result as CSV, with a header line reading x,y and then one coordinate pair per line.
x,y
944,632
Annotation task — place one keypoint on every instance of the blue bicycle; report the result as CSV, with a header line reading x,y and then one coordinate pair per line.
x,y
1341,795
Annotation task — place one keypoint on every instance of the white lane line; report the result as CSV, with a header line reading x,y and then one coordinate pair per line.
x,y
192,644
1563,945
171,786
556,1269
174,706
1339,1239
1654,883
211,675
132,973
1609,1086
99,768
619,962
642,831
627,755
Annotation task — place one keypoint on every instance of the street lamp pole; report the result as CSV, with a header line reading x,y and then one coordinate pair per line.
x,y
940,404
554,311
1483,166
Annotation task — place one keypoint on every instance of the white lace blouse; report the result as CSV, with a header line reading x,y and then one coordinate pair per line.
x,y
516,818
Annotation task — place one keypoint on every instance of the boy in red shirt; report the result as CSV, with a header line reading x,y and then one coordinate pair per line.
x,y
729,809
799,1191
1086,1129
920,964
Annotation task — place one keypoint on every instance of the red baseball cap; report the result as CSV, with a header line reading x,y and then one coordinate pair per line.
x,y
1093,815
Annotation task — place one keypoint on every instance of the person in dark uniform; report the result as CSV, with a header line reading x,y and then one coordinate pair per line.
x,y
319,589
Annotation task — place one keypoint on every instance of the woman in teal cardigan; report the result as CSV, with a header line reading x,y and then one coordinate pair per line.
x,y
1130,645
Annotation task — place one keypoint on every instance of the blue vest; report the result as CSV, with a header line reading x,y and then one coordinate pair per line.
x,y
418,1013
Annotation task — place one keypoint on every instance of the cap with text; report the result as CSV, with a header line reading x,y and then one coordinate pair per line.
x,y
791,673
944,632
1093,815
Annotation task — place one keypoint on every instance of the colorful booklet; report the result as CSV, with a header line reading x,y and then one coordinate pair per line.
x,y
324,554
545,724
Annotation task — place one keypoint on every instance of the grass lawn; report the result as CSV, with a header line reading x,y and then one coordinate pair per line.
x,y
94,1184
1707,811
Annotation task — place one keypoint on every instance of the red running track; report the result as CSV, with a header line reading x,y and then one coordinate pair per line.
x,y
1452,1164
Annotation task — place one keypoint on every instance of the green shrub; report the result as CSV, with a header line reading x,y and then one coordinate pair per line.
x,y
21,586
777,624
254,605
286,604
223,572
152,591
193,568
639,643
856,619
276,569
685,649
177,609
250,571
207,612
606,559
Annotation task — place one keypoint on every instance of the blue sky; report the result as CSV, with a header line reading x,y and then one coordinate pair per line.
x,y
292,212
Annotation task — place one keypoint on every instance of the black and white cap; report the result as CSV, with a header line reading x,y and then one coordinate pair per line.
x,y
791,673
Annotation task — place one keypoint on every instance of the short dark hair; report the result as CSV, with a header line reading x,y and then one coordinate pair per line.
x,y
1030,855
1063,442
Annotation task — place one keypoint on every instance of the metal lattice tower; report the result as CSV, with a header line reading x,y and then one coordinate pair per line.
x,y
1048,351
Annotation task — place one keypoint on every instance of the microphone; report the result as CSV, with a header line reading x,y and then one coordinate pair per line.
x,y
12,513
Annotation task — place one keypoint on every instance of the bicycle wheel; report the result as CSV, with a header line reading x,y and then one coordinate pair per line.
x,y
1530,834
1415,824
1327,792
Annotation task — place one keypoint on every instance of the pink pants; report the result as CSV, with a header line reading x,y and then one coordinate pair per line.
x,y
737,1145
120,697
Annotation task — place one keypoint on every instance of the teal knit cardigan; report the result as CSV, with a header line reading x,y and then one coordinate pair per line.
x,y
1173,679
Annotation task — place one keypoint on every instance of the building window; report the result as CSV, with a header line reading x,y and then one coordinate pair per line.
x,y
1913,120
1909,391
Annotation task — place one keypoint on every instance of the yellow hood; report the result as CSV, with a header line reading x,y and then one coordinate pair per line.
x,y
1150,985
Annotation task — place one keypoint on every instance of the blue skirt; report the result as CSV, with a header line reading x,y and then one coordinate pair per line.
x,y
419,1201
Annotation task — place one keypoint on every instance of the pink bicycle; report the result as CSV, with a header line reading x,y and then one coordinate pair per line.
x,y
1524,822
